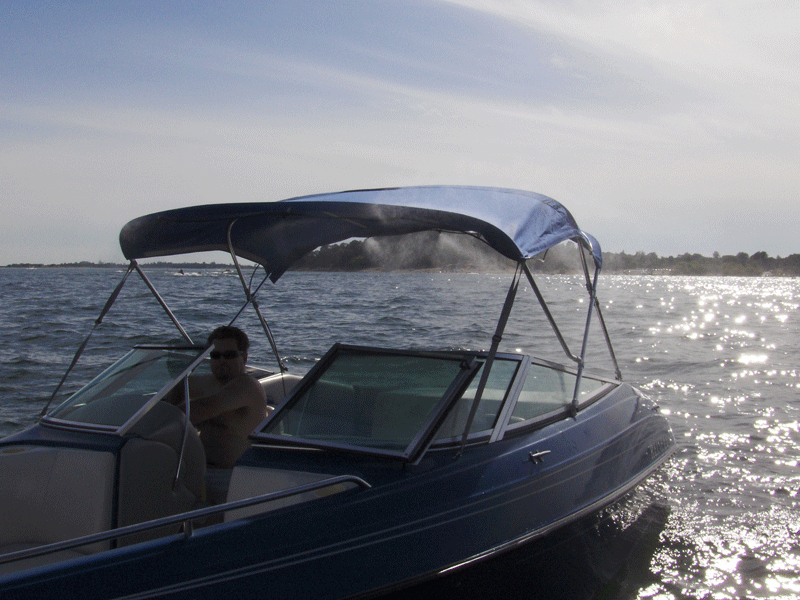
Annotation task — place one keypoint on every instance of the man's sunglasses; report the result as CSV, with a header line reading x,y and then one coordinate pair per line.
x,y
229,355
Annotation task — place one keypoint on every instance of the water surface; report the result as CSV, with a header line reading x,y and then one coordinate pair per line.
x,y
720,356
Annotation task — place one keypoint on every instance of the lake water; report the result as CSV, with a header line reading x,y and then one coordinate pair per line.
x,y
721,356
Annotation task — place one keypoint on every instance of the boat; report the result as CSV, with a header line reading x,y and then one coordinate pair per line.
x,y
377,470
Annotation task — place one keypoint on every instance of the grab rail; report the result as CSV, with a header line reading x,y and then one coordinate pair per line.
x,y
185,518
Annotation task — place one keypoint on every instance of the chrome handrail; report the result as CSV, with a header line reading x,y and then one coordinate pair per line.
x,y
184,518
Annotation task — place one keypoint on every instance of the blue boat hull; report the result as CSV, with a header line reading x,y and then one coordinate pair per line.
x,y
442,516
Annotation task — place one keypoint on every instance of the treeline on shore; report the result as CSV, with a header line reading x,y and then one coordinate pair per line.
x,y
446,252
741,264
433,251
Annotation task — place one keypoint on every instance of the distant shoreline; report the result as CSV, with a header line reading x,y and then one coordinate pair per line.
x,y
439,252
105,265
692,269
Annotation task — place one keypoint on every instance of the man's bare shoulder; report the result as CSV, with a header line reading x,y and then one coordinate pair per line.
x,y
250,384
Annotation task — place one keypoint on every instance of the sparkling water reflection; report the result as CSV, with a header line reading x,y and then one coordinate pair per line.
x,y
720,355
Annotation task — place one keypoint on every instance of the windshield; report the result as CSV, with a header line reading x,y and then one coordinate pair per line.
x,y
374,400
113,398
494,394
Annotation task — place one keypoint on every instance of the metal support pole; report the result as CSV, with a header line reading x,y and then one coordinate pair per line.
x,y
162,302
187,411
109,303
252,300
592,288
547,313
487,366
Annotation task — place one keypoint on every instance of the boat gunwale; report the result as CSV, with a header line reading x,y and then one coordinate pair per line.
x,y
185,518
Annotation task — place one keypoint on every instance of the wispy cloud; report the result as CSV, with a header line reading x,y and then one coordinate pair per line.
x,y
649,120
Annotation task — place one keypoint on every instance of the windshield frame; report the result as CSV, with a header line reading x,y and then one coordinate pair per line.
x,y
115,370
469,365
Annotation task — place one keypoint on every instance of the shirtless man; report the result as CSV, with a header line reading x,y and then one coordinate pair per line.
x,y
227,405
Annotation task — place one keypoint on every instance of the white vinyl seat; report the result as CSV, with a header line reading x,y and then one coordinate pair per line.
x,y
58,494
277,387
148,465
62,493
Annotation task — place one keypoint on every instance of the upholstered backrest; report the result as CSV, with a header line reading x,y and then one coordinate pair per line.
x,y
53,494
277,387
148,467
399,416
165,424
329,408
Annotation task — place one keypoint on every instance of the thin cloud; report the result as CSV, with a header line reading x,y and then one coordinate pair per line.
x,y
651,122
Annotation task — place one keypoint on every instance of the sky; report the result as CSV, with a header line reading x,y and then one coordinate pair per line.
x,y
666,127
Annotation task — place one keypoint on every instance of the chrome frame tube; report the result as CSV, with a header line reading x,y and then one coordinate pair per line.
x,y
606,335
603,326
106,307
584,344
548,314
187,412
487,366
251,299
162,302
594,304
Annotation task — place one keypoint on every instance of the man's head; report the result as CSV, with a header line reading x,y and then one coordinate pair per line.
x,y
229,356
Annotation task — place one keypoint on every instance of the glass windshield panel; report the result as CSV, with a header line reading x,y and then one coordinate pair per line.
x,y
500,378
546,390
369,399
118,393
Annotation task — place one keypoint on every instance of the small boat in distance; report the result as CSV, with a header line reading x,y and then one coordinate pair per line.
x,y
379,469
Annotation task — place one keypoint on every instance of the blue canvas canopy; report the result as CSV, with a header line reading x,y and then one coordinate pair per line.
x,y
517,224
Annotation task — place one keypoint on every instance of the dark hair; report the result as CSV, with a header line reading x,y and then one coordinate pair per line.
x,y
226,332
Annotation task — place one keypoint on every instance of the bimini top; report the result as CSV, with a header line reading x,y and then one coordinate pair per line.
x,y
518,224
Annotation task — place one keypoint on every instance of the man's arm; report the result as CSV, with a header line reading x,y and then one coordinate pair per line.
x,y
240,392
